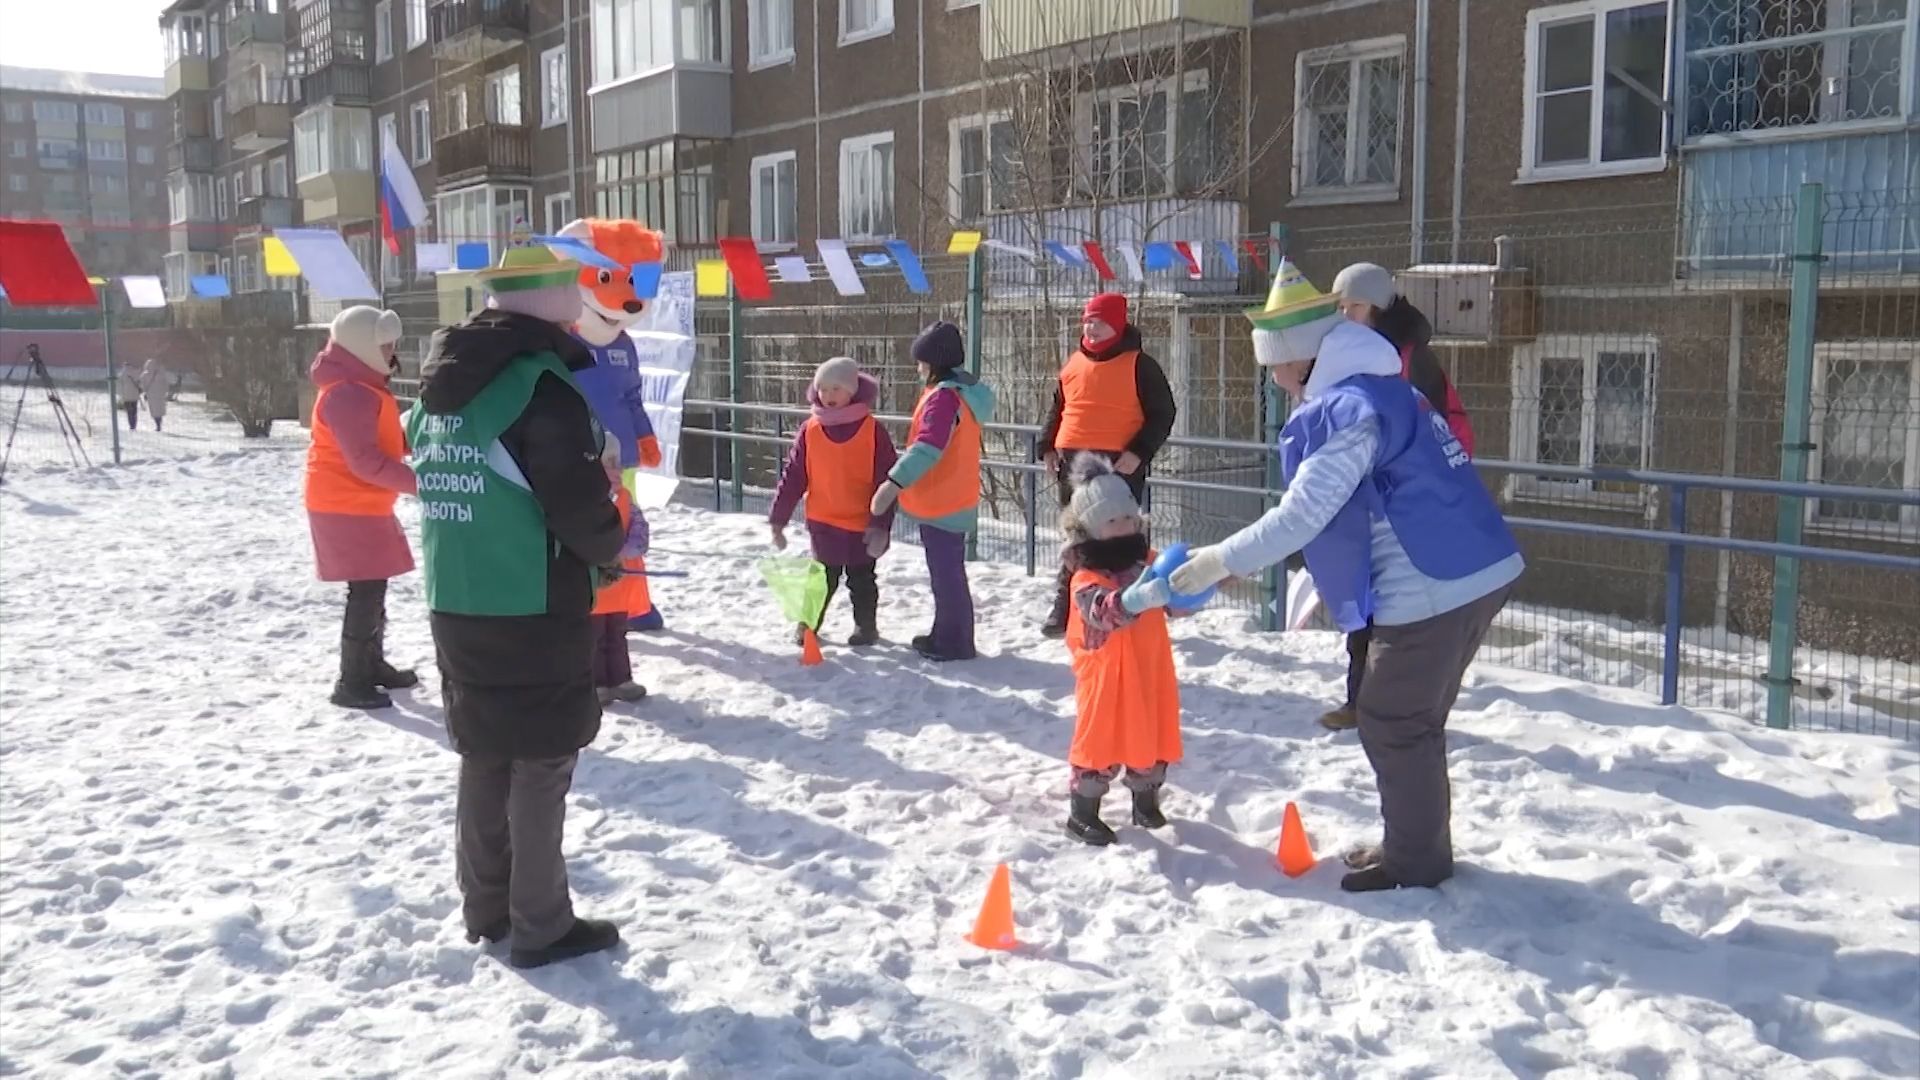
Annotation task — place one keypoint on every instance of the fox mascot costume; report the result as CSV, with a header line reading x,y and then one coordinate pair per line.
x,y
612,386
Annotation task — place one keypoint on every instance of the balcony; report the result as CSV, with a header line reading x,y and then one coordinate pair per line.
x,y
263,126
260,212
263,307
469,31
343,82
190,154
205,236
1010,28
1170,218
187,73
483,151
676,101
253,30
347,196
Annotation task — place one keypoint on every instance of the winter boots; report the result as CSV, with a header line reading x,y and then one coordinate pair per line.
x,y
628,691
1344,718
1146,809
1084,824
584,937
364,670
357,687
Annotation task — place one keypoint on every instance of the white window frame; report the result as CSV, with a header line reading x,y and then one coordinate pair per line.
x,y
983,123
882,23
387,124
849,147
383,31
1354,54
457,117
1595,12
556,90
755,205
416,24
759,17
505,88
143,155
557,218
1824,353
1525,415
420,130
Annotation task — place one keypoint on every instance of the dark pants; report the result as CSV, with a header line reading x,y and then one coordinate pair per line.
x,y
1357,643
611,664
952,602
363,629
133,415
863,587
508,819
1063,487
1413,677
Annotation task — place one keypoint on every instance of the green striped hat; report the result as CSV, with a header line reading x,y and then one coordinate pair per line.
x,y
1293,301
524,268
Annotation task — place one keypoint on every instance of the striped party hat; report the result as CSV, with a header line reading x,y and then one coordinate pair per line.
x,y
1292,301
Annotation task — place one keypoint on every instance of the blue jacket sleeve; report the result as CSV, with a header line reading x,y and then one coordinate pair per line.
x,y
1324,483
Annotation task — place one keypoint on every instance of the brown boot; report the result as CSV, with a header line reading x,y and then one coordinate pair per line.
x,y
1343,718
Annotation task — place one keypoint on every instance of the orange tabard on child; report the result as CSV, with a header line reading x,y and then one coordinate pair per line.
x,y
1101,408
629,594
840,477
332,488
1127,694
953,484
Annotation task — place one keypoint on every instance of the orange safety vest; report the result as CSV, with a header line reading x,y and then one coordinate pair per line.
x,y
840,477
332,487
629,594
1126,691
1101,403
953,484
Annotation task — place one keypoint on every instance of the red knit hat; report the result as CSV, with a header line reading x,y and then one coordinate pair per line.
x,y
1110,307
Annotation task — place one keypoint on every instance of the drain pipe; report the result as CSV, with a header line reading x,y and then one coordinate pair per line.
x,y
1422,32
573,168
1459,133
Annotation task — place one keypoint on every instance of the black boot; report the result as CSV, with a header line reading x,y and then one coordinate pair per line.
x,y
1084,822
1146,809
385,675
863,587
586,936
355,688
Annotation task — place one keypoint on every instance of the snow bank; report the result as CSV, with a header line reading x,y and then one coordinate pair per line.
x,y
208,871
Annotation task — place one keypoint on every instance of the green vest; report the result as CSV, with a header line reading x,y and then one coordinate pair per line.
x,y
484,534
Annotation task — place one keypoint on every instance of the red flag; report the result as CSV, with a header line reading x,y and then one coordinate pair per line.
x,y
1186,252
1254,250
749,274
386,227
1099,261
39,269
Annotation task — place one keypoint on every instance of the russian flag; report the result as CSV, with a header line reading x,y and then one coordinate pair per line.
x,y
401,206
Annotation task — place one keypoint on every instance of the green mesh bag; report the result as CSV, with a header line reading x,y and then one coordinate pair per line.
x,y
800,585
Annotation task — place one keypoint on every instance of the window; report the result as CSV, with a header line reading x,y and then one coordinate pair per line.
x,y
775,198
55,112
143,119
383,31
143,155
455,116
59,154
416,23
107,184
484,213
671,185
1347,123
106,150
503,97
17,182
421,114
631,37
863,19
1128,144
330,139
277,178
770,30
1584,402
19,148
866,187
1596,89
15,113
257,175
1779,66
218,111
106,115
150,188
190,197
389,133
559,211
980,166
220,208
554,90
1866,403
702,38
62,184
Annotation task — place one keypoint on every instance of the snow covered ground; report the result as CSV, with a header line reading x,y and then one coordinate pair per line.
x,y
205,870
195,427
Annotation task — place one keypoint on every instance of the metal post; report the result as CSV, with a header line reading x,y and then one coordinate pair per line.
x,y
976,331
1033,503
1676,586
113,369
1274,416
1795,444
736,379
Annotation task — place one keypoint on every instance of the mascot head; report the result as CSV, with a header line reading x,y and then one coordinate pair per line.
x,y
608,303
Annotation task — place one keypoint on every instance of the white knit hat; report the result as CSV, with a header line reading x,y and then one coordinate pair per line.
x,y
363,330
1368,283
1100,495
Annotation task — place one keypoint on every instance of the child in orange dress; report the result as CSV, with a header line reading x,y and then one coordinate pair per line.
x,y
1124,686
613,602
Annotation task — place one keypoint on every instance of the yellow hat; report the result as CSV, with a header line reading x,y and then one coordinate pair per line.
x,y
532,267
1293,300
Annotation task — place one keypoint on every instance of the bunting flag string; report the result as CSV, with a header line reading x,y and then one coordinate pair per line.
x,y
1099,260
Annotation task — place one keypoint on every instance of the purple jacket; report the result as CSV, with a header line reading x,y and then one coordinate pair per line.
x,y
358,547
835,546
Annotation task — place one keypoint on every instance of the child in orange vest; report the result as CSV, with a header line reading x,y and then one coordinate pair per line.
x,y
614,601
838,461
1124,686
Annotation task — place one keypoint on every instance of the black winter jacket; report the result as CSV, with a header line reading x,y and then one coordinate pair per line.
x,y
1149,382
522,686
1404,325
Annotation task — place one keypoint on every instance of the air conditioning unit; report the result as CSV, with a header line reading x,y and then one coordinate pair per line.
x,y
1477,301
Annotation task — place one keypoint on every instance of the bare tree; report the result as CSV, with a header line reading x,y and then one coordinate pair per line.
x,y
251,366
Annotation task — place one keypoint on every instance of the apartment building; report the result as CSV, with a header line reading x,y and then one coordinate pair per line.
x,y
87,150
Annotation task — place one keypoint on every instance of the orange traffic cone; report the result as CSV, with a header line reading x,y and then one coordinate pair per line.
x,y
993,929
1295,856
810,649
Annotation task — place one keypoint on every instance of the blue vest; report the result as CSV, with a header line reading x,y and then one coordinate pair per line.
x,y
612,388
1422,483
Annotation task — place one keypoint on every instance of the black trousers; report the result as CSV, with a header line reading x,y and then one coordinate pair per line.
x,y
366,613
1358,643
863,585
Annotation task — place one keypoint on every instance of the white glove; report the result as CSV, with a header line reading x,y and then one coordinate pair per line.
x,y
1203,570
877,541
779,538
1145,594
883,498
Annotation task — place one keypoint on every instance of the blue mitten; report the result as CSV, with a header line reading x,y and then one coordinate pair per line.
x,y
1147,592
638,536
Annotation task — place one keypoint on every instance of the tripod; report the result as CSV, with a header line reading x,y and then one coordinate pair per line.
x,y
37,370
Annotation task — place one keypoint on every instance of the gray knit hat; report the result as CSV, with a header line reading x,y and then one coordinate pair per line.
x,y
839,371
1100,495
1367,283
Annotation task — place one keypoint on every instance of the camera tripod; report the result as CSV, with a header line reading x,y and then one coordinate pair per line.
x,y
69,434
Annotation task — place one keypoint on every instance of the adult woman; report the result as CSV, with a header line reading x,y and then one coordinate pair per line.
x,y
355,473
155,384
1397,529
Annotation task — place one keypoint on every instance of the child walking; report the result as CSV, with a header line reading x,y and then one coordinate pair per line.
x,y
839,459
612,602
1124,686
937,482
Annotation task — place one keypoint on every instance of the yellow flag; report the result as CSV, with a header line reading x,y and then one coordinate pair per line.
x,y
278,259
963,243
710,277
